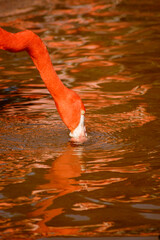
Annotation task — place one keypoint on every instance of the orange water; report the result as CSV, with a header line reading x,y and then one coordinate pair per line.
x,y
108,52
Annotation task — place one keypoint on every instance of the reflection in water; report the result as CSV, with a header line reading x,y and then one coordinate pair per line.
x,y
77,193
60,182
107,51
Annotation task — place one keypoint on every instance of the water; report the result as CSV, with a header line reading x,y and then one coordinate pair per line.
x,y
108,52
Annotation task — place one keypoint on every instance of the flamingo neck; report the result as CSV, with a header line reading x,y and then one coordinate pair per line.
x,y
30,42
68,103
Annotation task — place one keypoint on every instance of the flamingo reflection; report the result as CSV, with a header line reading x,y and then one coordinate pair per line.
x,y
60,181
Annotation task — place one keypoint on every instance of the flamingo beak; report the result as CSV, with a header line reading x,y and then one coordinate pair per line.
x,y
79,133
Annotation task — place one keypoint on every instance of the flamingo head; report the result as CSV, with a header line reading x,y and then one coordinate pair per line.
x,y
72,112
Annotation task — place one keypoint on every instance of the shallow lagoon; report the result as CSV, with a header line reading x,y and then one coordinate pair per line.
x,y
108,52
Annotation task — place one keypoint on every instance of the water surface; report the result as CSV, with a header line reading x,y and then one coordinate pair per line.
x,y
108,52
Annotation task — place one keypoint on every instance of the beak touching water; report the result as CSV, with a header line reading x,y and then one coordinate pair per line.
x,y
79,133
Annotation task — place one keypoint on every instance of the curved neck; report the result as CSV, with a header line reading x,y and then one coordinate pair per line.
x,y
30,42
68,103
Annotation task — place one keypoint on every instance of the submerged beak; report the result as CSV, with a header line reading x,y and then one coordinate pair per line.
x,y
79,133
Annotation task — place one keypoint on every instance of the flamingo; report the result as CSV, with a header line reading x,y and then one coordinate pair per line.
x,y
69,105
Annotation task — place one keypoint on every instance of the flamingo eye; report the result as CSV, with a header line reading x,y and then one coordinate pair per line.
x,y
82,112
